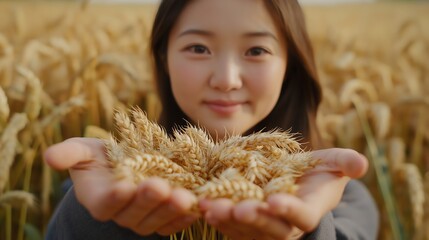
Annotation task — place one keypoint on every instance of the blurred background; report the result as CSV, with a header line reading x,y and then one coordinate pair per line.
x,y
66,65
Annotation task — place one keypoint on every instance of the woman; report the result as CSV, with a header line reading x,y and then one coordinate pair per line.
x,y
230,66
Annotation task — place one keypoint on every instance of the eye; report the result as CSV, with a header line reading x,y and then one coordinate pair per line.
x,y
198,49
256,51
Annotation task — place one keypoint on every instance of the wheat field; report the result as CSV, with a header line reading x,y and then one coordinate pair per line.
x,y
65,67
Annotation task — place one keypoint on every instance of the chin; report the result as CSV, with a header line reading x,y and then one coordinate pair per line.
x,y
223,133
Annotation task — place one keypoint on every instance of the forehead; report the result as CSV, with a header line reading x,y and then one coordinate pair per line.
x,y
227,16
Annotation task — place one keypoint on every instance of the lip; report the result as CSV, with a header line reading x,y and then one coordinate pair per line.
x,y
223,107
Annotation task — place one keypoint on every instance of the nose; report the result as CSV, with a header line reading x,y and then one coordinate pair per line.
x,y
226,74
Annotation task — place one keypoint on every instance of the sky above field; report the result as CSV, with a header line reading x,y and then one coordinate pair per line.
x,y
302,1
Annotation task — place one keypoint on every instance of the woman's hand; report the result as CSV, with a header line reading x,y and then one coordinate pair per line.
x,y
247,220
152,206
282,216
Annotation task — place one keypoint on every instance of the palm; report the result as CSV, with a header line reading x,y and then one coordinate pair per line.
x,y
320,189
151,206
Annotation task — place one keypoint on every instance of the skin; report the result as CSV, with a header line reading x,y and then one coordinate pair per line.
x,y
226,74
132,206
231,65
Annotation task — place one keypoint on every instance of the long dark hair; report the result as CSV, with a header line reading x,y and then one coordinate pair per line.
x,y
300,94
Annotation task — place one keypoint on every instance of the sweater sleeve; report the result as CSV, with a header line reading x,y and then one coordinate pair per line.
x,y
356,217
71,221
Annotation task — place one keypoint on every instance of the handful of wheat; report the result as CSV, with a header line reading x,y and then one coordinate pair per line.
x,y
238,168
250,167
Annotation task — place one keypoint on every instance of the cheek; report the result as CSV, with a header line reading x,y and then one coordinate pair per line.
x,y
266,81
181,73
187,80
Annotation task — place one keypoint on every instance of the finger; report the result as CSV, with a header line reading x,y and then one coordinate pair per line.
x,y
295,211
247,211
104,201
257,222
95,186
179,203
218,210
345,161
73,151
183,200
218,213
229,229
150,194
178,224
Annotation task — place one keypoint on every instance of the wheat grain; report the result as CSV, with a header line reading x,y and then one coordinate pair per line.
x,y
396,153
283,184
416,193
379,117
108,102
95,132
187,153
61,110
265,141
236,167
153,136
424,230
128,133
4,109
409,191
17,199
230,185
33,101
355,87
295,164
8,145
147,164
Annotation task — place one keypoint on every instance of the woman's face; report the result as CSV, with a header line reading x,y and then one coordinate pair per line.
x,y
226,61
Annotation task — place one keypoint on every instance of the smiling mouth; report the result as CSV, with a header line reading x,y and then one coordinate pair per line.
x,y
224,108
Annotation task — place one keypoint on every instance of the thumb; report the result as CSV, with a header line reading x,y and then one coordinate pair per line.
x,y
347,162
73,151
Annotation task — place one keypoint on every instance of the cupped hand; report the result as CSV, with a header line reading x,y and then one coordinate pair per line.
x,y
285,216
247,220
152,206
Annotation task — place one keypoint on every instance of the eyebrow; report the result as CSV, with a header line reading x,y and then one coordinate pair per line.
x,y
196,32
211,34
261,34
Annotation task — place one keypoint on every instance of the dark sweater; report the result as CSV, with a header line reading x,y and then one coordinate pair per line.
x,y
356,217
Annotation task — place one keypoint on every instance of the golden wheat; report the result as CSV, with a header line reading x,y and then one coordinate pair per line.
x,y
8,145
410,189
4,109
250,167
17,199
33,101
232,185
